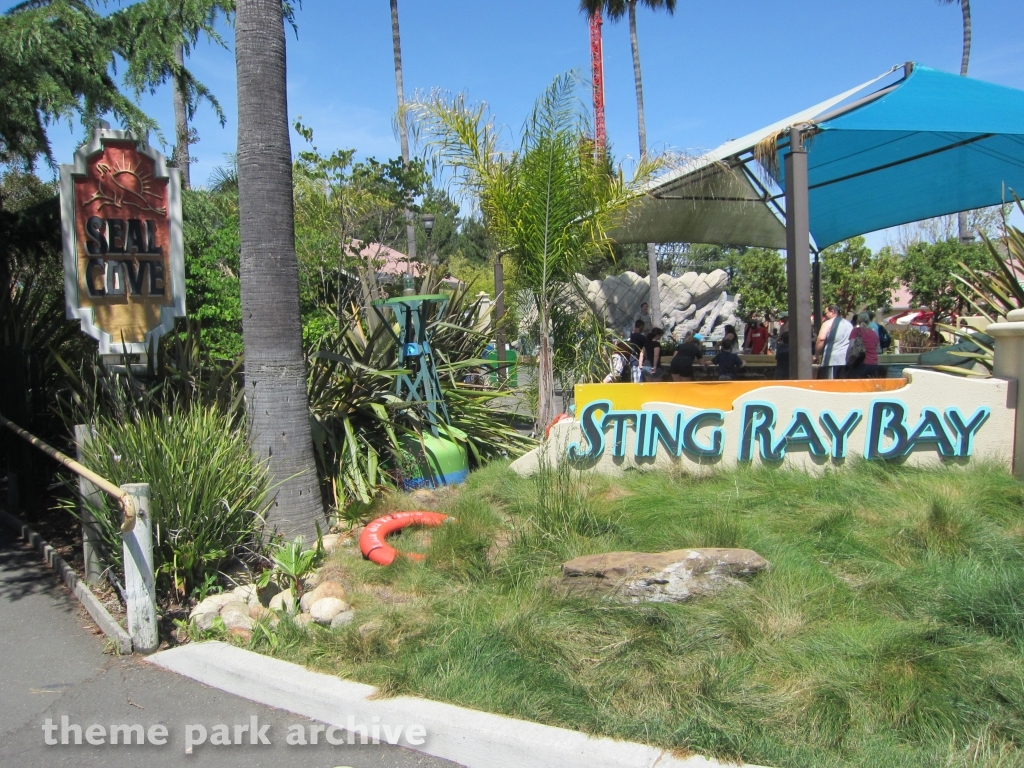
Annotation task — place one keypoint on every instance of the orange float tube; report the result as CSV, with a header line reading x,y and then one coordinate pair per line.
x,y
372,539
558,418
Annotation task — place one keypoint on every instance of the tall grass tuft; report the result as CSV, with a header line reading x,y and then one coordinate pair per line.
x,y
208,496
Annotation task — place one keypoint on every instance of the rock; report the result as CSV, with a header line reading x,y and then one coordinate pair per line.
x,y
660,577
240,633
246,592
213,603
324,610
331,542
236,615
343,618
326,589
283,601
259,613
204,621
310,582
302,619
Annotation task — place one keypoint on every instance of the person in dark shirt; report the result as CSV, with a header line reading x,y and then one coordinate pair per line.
x,y
650,358
686,354
637,342
782,356
730,335
728,362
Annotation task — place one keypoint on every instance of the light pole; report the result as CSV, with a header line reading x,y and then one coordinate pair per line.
x,y
427,220
428,226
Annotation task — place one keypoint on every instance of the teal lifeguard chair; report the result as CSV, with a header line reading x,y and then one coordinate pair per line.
x,y
442,460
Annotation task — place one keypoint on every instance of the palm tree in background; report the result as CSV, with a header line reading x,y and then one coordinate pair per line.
x,y
965,9
275,370
547,206
403,126
613,10
191,17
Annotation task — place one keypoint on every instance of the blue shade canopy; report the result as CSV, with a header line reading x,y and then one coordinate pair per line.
x,y
930,144
935,144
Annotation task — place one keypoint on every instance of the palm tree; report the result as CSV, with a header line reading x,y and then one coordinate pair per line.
x,y
275,370
614,9
403,126
965,58
547,206
191,18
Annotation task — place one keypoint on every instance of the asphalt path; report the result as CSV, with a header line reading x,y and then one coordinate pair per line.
x,y
54,666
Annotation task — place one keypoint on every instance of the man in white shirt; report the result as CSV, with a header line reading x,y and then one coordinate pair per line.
x,y
832,344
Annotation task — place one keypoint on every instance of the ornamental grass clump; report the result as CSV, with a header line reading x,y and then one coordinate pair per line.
x,y
208,497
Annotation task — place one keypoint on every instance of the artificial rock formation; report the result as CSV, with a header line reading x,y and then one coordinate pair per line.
x,y
692,302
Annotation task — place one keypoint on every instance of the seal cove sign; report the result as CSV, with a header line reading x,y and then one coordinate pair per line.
x,y
124,273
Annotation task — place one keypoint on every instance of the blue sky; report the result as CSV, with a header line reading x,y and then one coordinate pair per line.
x,y
713,71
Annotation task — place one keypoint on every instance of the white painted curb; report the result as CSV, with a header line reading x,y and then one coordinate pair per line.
x,y
474,739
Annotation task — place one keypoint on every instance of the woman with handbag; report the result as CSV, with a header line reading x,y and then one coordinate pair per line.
x,y
862,357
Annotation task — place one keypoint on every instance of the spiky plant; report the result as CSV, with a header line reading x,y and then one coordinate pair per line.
x,y
992,293
361,427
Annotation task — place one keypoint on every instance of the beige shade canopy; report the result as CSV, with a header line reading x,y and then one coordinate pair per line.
x,y
719,197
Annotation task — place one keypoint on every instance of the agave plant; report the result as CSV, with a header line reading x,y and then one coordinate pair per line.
x,y
362,429
992,293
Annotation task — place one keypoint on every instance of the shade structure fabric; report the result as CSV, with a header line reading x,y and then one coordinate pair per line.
x,y
932,143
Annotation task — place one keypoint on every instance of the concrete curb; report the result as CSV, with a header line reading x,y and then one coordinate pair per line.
x,y
122,641
469,737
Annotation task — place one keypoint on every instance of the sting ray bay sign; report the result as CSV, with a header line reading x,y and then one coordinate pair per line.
x,y
124,268
927,418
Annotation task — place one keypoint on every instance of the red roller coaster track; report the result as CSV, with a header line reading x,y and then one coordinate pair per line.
x,y
597,68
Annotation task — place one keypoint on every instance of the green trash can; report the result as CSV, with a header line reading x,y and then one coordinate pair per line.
x,y
511,369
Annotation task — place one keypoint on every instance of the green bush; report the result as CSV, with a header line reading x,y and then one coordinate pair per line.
x,y
207,494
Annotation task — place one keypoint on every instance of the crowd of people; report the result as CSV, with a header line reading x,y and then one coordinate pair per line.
x,y
842,349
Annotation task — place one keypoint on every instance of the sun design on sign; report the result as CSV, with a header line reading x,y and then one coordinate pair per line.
x,y
123,185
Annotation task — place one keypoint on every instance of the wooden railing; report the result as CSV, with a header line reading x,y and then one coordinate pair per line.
x,y
136,541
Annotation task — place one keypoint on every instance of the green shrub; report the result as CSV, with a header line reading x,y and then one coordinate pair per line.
x,y
207,495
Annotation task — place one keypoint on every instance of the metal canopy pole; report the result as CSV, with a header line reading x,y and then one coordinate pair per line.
x,y
816,291
798,257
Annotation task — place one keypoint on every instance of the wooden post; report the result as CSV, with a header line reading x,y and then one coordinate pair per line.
x,y
91,496
138,573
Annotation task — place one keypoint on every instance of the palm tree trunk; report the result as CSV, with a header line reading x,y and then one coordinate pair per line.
x,y
965,7
545,371
652,255
181,149
275,371
403,128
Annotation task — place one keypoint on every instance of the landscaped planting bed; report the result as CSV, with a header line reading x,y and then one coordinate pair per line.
x,y
888,631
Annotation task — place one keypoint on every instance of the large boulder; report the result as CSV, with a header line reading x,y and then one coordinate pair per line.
x,y
660,577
